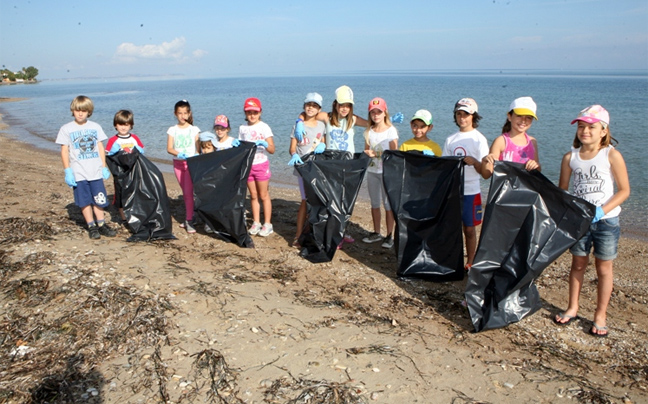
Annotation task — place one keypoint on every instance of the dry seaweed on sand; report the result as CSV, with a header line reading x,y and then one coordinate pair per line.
x,y
19,230
210,364
313,392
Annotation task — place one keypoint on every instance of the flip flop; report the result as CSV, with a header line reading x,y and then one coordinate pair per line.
x,y
565,316
595,333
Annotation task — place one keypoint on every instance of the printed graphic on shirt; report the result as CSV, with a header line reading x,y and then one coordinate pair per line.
x,y
460,151
339,139
589,185
85,141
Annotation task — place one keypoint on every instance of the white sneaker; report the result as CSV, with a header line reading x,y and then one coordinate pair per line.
x,y
208,229
266,230
189,227
388,242
255,229
372,238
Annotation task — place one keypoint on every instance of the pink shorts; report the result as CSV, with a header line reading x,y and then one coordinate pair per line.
x,y
260,172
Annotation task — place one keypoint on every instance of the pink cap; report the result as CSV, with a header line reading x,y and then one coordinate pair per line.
x,y
221,120
252,104
378,103
593,114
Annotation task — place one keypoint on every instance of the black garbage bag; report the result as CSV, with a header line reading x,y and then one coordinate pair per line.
x,y
144,196
425,194
529,222
220,185
332,182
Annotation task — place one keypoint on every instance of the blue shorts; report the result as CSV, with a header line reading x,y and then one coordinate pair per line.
x,y
604,235
90,193
472,210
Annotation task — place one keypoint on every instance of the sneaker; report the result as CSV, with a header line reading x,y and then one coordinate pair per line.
x,y
208,229
107,231
388,242
372,238
266,230
348,239
93,232
255,229
189,227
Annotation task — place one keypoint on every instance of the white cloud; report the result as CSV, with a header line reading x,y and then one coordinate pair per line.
x,y
198,53
173,51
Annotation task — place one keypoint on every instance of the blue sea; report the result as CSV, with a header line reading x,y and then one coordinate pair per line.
x,y
560,96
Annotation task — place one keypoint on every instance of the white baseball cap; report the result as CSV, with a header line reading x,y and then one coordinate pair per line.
x,y
524,106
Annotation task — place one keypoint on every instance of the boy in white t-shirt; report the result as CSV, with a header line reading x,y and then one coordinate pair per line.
x,y
470,144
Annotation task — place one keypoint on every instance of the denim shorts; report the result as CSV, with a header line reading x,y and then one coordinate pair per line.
x,y
604,236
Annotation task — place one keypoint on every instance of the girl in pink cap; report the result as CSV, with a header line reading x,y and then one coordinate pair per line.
x,y
260,133
595,167
381,135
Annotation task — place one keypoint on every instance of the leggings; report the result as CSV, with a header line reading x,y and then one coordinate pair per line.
x,y
184,179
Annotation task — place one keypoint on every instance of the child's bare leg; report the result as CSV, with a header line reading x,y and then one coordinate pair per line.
x,y
375,217
471,243
605,285
301,218
254,202
98,212
576,276
121,214
86,211
264,196
389,219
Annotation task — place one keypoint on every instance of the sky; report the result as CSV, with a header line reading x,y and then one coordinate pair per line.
x,y
209,39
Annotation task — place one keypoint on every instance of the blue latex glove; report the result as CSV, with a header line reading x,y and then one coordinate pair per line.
x,y
299,130
397,117
139,149
236,143
181,156
114,149
428,152
69,177
106,173
319,149
295,159
599,214
261,143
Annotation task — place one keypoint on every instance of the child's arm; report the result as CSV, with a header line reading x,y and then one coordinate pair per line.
x,y
102,154
271,146
170,149
620,173
321,116
535,163
65,156
565,172
360,121
368,151
488,162
393,144
293,146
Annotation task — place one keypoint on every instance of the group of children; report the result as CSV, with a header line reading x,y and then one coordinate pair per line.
x,y
594,166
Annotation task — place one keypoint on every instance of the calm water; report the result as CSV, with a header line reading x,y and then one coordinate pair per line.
x,y
559,97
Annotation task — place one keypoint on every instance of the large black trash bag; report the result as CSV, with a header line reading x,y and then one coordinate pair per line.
x,y
425,194
332,182
220,185
528,223
144,196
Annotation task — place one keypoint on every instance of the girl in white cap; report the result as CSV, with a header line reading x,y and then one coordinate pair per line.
x,y
514,144
595,167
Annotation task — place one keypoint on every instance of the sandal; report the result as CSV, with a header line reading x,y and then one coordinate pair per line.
x,y
563,316
597,328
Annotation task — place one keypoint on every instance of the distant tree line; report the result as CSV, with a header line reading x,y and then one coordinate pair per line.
x,y
27,74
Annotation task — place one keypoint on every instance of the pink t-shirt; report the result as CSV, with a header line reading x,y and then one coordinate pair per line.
x,y
515,153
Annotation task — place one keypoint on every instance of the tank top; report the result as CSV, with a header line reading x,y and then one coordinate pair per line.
x,y
593,179
339,138
515,153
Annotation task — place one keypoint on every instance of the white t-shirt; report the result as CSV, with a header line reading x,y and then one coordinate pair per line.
x,y
252,133
83,143
225,144
472,144
184,139
379,142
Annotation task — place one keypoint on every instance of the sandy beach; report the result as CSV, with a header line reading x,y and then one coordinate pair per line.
x,y
200,320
